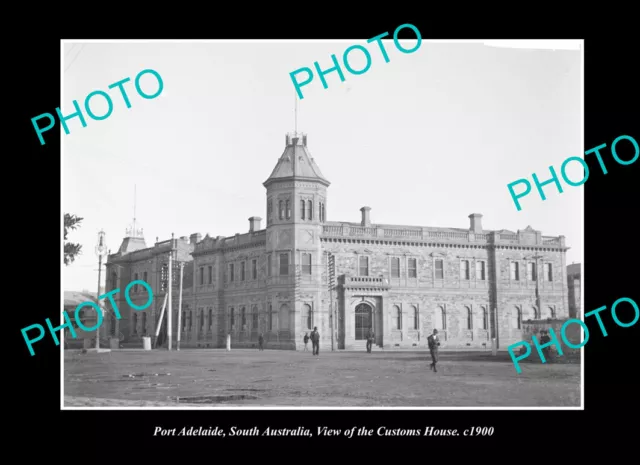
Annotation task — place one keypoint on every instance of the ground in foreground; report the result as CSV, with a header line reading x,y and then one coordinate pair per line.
x,y
211,378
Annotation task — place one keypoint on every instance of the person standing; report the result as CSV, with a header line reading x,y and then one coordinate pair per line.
x,y
434,343
261,342
544,339
306,341
315,341
370,338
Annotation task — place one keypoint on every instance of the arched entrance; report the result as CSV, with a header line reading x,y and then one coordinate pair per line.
x,y
364,321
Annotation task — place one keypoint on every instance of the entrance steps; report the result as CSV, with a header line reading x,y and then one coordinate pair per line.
x,y
361,346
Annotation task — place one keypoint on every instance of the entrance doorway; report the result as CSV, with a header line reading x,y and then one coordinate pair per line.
x,y
364,321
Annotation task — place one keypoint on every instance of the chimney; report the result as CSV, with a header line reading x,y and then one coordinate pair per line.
x,y
196,237
366,221
254,223
476,223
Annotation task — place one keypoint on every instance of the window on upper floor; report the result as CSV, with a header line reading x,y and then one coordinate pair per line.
x,y
284,264
288,206
412,268
306,263
281,209
201,273
269,265
395,267
254,269
464,270
210,272
549,272
363,263
310,210
439,269
114,280
515,271
135,286
254,318
232,272
531,271
144,277
481,271
242,271
302,209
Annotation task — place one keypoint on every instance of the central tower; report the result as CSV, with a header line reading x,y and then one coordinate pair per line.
x,y
296,210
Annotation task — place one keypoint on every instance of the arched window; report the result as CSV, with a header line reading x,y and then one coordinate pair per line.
x,y
516,316
281,209
322,212
232,318
469,318
440,318
243,317
536,313
552,312
416,318
288,210
302,205
202,318
114,280
306,317
144,323
397,317
254,318
310,203
485,318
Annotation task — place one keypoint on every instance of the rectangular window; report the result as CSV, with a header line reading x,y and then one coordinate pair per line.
x,y
515,271
412,268
364,266
549,272
254,269
464,269
232,272
395,267
480,271
439,269
201,275
242,266
284,264
531,271
145,277
210,317
306,263
269,265
270,318
210,275
135,286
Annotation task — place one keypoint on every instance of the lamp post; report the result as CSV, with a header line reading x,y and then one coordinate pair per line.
x,y
101,251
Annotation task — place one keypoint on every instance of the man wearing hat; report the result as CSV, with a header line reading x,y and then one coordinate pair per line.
x,y
315,341
433,348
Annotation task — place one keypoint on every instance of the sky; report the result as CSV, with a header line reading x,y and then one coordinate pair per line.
x,y
424,140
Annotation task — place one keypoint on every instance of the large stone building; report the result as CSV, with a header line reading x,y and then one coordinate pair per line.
x,y
574,282
303,270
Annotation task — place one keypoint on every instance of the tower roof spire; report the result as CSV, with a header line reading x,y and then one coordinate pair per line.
x,y
133,231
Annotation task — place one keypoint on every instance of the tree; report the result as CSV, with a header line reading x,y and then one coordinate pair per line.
x,y
71,250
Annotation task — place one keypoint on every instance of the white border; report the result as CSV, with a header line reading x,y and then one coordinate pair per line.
x,y
565,44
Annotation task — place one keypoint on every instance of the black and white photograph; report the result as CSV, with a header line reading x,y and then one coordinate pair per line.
x,y
263,227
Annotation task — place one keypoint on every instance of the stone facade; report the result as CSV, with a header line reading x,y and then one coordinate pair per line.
x,y
302,271
574,283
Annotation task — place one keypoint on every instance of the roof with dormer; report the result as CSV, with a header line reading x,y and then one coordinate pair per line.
x,y
296,162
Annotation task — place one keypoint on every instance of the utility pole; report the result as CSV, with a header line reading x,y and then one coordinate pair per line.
x,y
179,329
170,285
101,250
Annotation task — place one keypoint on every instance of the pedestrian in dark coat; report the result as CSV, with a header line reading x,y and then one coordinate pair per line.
x,y
261,342
315,341
306,341
434,343
370,338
